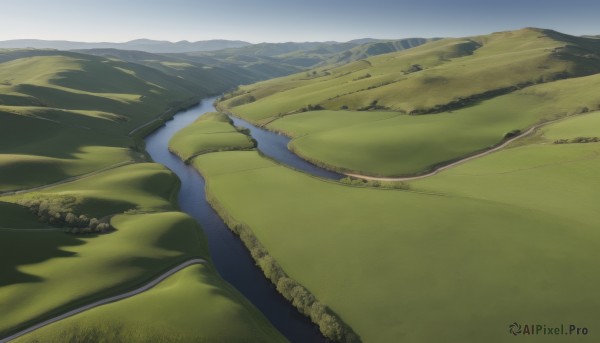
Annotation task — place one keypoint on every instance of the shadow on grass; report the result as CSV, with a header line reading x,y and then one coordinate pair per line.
x,y
19,248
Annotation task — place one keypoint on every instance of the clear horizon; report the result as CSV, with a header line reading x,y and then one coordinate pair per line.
x,y
287,21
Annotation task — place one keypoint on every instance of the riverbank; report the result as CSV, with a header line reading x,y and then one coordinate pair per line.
x,y
217,128
228,253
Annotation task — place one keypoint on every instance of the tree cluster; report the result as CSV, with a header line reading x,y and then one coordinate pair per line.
x,y
578,140
310,107
413,69
512,134
242,100
374,183
373,106
362,77
57,211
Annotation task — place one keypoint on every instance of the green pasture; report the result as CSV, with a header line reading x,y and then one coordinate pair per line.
x,y
139,186
584,125
452,70
211,132
305,123
467,255
60,271
368,143
149,238
193,305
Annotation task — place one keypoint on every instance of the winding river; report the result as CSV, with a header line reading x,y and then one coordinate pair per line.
x,y
230,256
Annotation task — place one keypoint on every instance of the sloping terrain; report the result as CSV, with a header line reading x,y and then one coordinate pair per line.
x,y
507,237
83,214
477,91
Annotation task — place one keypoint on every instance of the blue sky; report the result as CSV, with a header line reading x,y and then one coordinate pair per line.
x,y
285,20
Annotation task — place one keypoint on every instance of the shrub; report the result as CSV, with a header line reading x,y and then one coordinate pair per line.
x,y
577,140
242,100
366,76
512,134
302,299
58,211
414,68
271,268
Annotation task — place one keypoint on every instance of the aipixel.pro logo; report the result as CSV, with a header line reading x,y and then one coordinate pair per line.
x,y
517,329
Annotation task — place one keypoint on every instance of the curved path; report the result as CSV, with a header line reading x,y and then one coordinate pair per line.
x,y
448,166
105,301
68,180
158,118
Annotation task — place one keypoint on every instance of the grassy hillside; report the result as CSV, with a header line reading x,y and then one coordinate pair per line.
x,y
508,229
211,132
479,88
452,70
278,59
223,71
405,145
71,122
69,114
192,297
149,238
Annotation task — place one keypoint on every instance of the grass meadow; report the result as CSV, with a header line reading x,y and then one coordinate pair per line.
x,y
507,237
211,132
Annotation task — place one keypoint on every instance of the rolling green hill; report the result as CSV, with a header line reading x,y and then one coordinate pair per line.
x,y
285,58
222,71
479,88
69,114
211,132
71,162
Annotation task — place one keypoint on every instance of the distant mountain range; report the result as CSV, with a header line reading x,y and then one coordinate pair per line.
x,y
225,46
147,45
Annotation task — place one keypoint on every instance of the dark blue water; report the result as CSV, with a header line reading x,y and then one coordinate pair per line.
x,y
275,146
230,256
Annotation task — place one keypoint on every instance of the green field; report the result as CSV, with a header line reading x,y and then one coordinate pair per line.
x,y
512,239
412,144
209,133
69,113
171,312
143,245
149,238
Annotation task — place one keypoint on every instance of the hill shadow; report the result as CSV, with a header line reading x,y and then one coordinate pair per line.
x,y
19,248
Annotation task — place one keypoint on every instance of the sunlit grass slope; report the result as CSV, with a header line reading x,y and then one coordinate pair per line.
x,y
504,238
142,246
149,239
426,78
479,89
68,114
194,305
414,144
70,119
130,92
211,132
